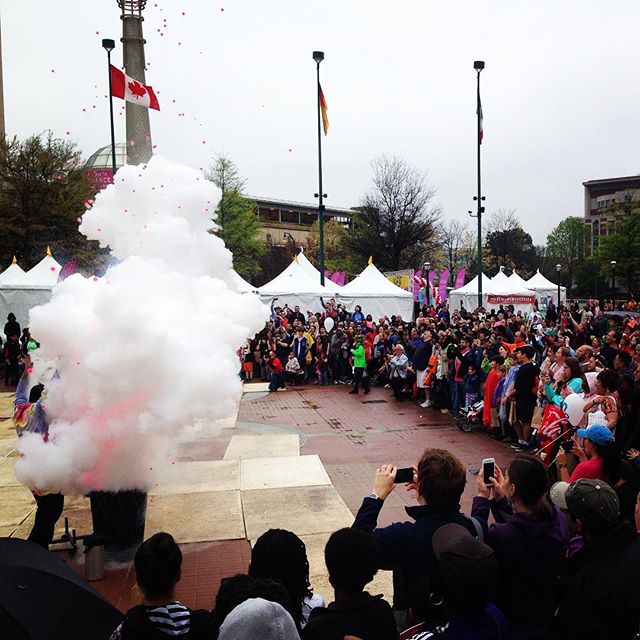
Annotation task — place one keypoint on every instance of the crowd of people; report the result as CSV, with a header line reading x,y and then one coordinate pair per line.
x,y
557,562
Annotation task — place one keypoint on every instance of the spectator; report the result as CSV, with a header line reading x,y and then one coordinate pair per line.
x,y
260,619
529,538
471,386
158,564
11,328
524,392
12,357
455,602
276,375
405,547
359,367
605,400
281,555
241,587
397,367
293,372
350,556
600,590
598,456
610,349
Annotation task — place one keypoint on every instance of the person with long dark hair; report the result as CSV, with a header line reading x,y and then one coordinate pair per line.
x,y
280,555
529,538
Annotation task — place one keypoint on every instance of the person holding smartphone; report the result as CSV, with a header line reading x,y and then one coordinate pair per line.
x,y
405,547
529,538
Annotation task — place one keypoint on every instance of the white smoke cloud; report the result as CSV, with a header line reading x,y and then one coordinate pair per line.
x,y
148,352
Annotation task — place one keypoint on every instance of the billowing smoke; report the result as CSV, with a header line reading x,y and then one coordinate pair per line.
x,y
149,351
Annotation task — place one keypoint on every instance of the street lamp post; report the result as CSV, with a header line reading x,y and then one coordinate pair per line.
x,y
109,45
427,268
558,267
318,57
613,264
478,65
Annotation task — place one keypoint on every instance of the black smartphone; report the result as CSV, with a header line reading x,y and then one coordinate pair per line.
x,y
488,470
404,476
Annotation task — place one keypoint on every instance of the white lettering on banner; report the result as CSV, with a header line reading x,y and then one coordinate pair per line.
x,y
497,299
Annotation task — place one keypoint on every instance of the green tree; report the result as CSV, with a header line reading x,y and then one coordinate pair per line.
x,y
237,217
396,221
567,244
622,243
508,245
42,192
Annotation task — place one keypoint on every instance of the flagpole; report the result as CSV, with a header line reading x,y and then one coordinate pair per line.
x,y
109,46
318,56
478,65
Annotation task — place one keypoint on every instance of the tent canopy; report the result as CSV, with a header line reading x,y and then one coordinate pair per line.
x,y
371,282
44,274
310,269
545,289
12,275
295,287
376,295
239,283
516,279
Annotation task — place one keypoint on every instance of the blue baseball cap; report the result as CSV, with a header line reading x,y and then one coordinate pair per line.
x,y
597,433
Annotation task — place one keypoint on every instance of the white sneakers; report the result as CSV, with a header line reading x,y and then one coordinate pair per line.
x,y
426,404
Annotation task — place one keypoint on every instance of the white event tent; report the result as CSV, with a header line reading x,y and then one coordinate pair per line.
x,y
467,295
544,289
504,291
516,279
376,295
294,286
239,284
20,291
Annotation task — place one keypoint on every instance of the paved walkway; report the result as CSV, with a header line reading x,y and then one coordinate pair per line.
x,y
353,435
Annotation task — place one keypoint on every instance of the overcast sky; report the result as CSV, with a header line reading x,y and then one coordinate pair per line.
x,y
560,91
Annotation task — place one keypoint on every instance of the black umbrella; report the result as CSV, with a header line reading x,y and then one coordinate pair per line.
x,y
41,597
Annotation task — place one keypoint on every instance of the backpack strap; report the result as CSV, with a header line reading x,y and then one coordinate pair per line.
x,y
478,527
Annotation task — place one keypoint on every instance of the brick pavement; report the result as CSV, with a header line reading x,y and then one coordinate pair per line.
x,y
353,436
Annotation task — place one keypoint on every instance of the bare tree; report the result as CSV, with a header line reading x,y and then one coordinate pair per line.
x,y
396,222
453,238
502,220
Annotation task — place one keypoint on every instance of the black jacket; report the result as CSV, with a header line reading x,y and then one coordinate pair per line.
x,y
601,588
421,355
363,616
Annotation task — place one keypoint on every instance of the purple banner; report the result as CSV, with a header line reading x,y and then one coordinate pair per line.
x,y
442,289
416,284
460,279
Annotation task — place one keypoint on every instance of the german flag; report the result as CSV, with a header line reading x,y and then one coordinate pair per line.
x,y
323,109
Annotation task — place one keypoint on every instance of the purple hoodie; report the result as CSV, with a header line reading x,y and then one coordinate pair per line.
x,y
531,555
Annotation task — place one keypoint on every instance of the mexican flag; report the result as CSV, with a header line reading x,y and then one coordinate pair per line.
x,y
129,89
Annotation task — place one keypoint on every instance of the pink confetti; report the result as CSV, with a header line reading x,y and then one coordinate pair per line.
x,y
30,370
52,268
78,220
53,70
95,279
147,138
68,133
99,229
78,363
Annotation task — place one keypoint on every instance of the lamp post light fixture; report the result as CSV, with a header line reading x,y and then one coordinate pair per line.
x,y
613,264
427,268
109,45
318,57
558,267
478,65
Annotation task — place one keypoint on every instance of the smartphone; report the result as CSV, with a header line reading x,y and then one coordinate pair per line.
x,y
488,470
404,476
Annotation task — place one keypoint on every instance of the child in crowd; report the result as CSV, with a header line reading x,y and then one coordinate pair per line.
x,y
293,371
158,564
350,556
322,367
471,386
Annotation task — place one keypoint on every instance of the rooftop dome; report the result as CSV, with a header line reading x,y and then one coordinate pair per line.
x,y
101,159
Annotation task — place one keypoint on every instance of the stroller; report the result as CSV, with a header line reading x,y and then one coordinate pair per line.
x,y
470,418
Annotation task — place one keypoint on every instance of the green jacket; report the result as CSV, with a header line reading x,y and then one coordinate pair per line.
x,y
359,359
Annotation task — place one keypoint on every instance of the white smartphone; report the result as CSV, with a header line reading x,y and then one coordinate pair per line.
x,y
488,470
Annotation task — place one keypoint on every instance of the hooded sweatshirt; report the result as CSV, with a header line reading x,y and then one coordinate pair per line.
x,y
530,554
260,619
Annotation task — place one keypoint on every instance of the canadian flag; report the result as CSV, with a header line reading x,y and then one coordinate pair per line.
x,y
122,86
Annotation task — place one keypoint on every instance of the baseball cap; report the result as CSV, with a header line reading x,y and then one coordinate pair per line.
x,y
468,567
597,433
593,502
